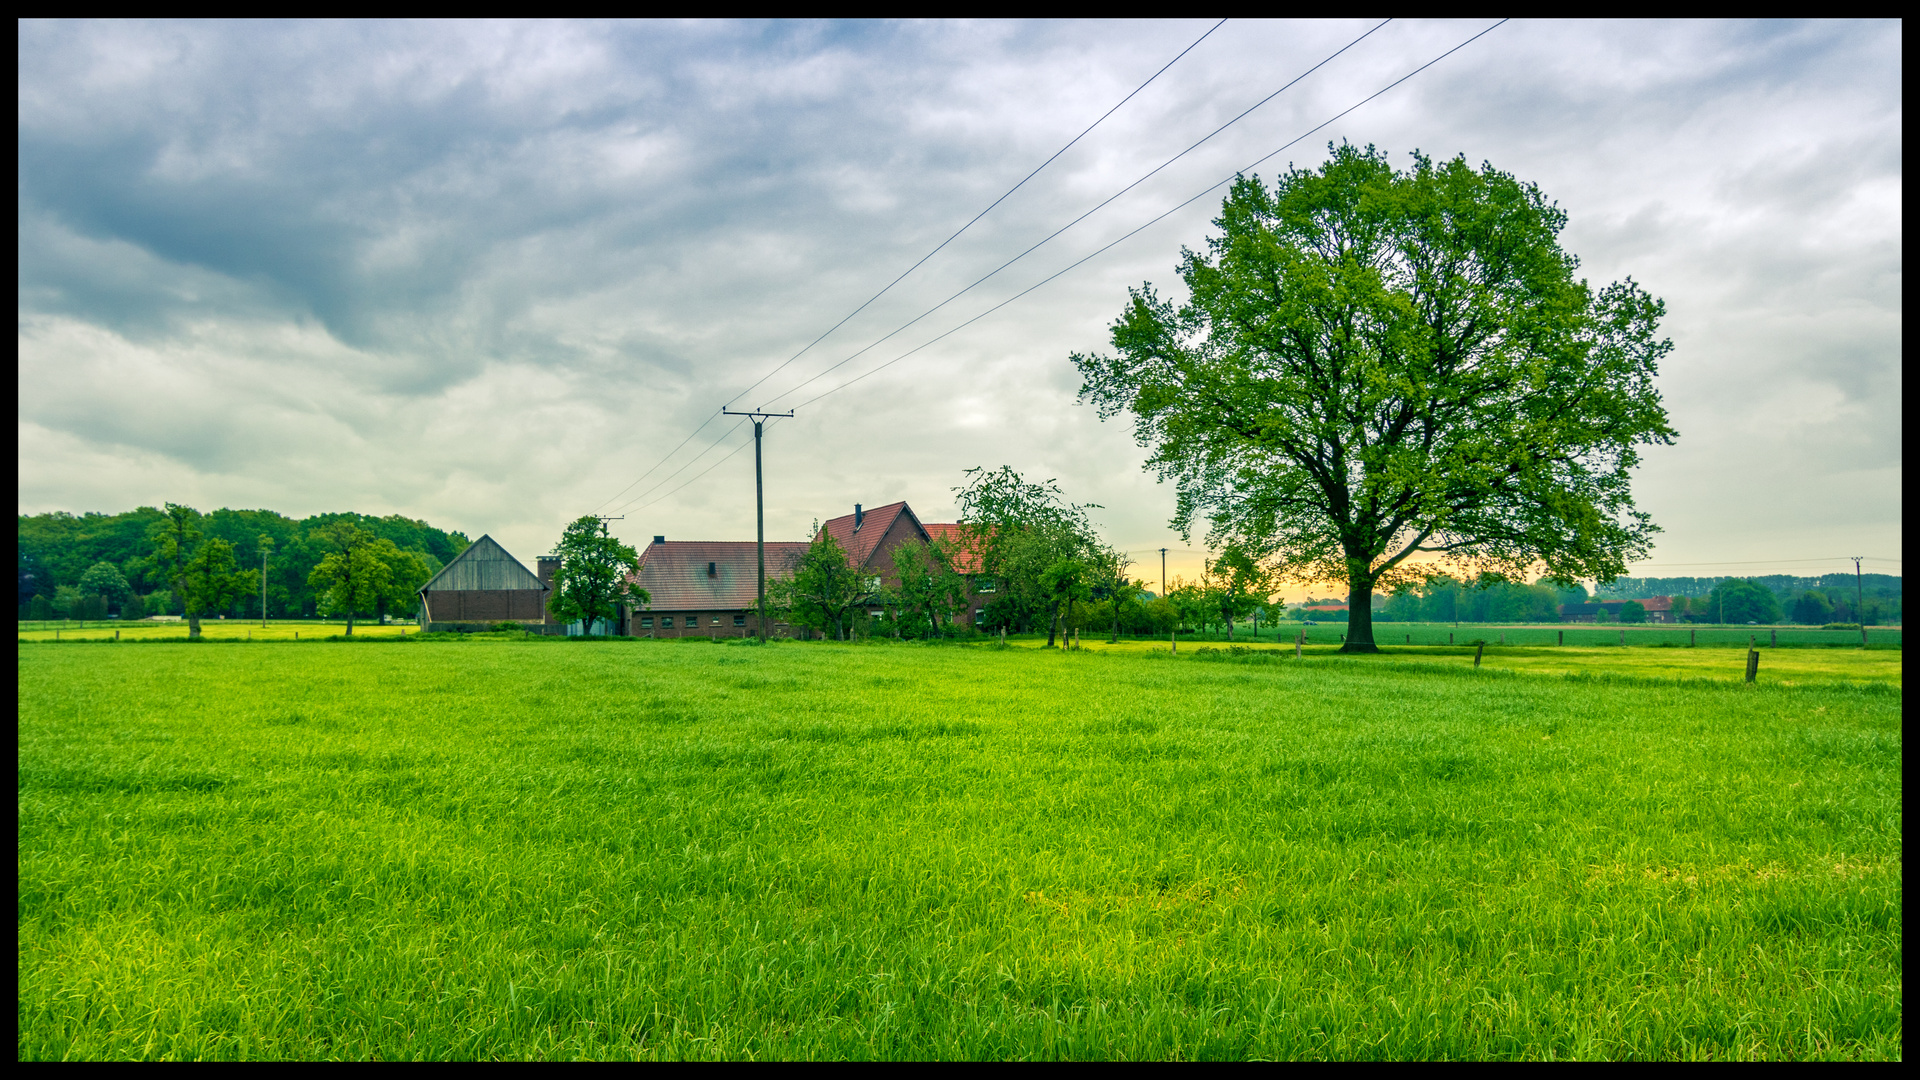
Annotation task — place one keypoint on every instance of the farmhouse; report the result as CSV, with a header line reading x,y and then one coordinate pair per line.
x,y
707,588
484,584
869,538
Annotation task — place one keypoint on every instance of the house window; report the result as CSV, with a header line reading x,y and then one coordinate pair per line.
x,y
984,584
873,583
716,620
666,622
646,624
739,620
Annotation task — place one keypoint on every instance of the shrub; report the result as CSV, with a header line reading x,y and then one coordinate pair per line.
x,y
1841,626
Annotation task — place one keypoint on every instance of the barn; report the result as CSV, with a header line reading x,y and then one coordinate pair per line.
x,y
484,584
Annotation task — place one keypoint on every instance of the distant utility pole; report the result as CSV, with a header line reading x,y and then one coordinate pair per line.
x,y
1163,572
1859,600
759,508
266,545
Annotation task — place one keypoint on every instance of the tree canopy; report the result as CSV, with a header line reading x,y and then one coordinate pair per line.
x,y
593,577
1374,364
821,588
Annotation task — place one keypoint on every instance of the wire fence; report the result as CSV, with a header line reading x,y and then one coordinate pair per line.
x,y
1569,635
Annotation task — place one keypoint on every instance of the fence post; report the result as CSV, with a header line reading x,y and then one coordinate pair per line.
x,y
1503,637
1623,638
1753,664
1691,632
1477,650
1563,637
1776,637
1449,637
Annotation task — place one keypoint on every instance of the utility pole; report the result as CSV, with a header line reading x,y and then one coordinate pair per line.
x,y
266,545
1859,600
1163,573
759,507
619,616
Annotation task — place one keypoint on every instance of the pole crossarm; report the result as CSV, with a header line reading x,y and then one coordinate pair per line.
x,y
756,414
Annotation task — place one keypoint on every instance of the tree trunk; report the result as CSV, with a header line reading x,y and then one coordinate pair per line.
x,y
1229,627
193,625
1359,615
1053,624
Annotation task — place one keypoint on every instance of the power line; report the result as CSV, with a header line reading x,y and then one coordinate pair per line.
x,y
983,213
664,480
1083,134
1156,220
1095,209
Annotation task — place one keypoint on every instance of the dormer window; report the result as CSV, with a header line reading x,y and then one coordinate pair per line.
x,y
712,571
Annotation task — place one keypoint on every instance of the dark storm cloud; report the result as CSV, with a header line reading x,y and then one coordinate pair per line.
x,y
453,254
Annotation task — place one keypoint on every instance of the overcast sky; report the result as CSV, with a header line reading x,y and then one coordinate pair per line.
x,y
490,274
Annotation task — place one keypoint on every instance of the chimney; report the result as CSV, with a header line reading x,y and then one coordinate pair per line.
x,y
544,568
659,539
858,514
711,572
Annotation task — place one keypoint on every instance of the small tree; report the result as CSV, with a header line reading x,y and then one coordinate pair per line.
x,y
1739,601
40,609
352,575
1066,581
1633,611
821,588
929,585
595,574
103,579
1234,584
202,572
134,609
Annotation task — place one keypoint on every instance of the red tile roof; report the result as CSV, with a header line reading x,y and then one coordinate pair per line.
x,y
966,561
675,572
860,543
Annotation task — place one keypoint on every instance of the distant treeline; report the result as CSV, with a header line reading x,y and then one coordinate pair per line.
x,y
57,552
1873,599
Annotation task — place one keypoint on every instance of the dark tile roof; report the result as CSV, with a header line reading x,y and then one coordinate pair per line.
x,y
859,543
484,566
674,572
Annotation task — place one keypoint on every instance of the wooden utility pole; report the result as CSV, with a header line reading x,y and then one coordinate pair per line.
x,y
266,545
1859,599
759,508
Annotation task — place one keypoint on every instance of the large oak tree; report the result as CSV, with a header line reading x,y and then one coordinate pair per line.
x,y
1375,364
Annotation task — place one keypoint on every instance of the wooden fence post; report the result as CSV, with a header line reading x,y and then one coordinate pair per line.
x,y
1691,637
1776,637
1623,637
1477,650
1563,637
1753,664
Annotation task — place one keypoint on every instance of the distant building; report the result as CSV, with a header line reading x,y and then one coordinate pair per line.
x,y
707,588
484,584
1659,609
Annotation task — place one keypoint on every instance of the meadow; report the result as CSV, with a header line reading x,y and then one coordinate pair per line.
x,y
409,849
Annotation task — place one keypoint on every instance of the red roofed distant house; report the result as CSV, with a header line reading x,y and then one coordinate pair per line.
x,y
869,538
709,588
1659,609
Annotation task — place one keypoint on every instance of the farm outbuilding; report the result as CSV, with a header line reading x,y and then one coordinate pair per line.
x,y
707,588
484,584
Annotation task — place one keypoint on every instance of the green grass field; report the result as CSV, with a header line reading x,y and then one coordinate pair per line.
x,y
212,629
615,849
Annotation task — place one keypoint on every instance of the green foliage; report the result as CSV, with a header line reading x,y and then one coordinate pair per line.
x,y
929,586
134,609
58,549
1024,532
291,852
1445,599
1374,364
1633,611
593,578
1812,608
103,579
1737,601
40,609
820,590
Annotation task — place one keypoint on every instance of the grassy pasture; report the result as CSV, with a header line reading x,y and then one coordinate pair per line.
x,y
561,848
212,629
